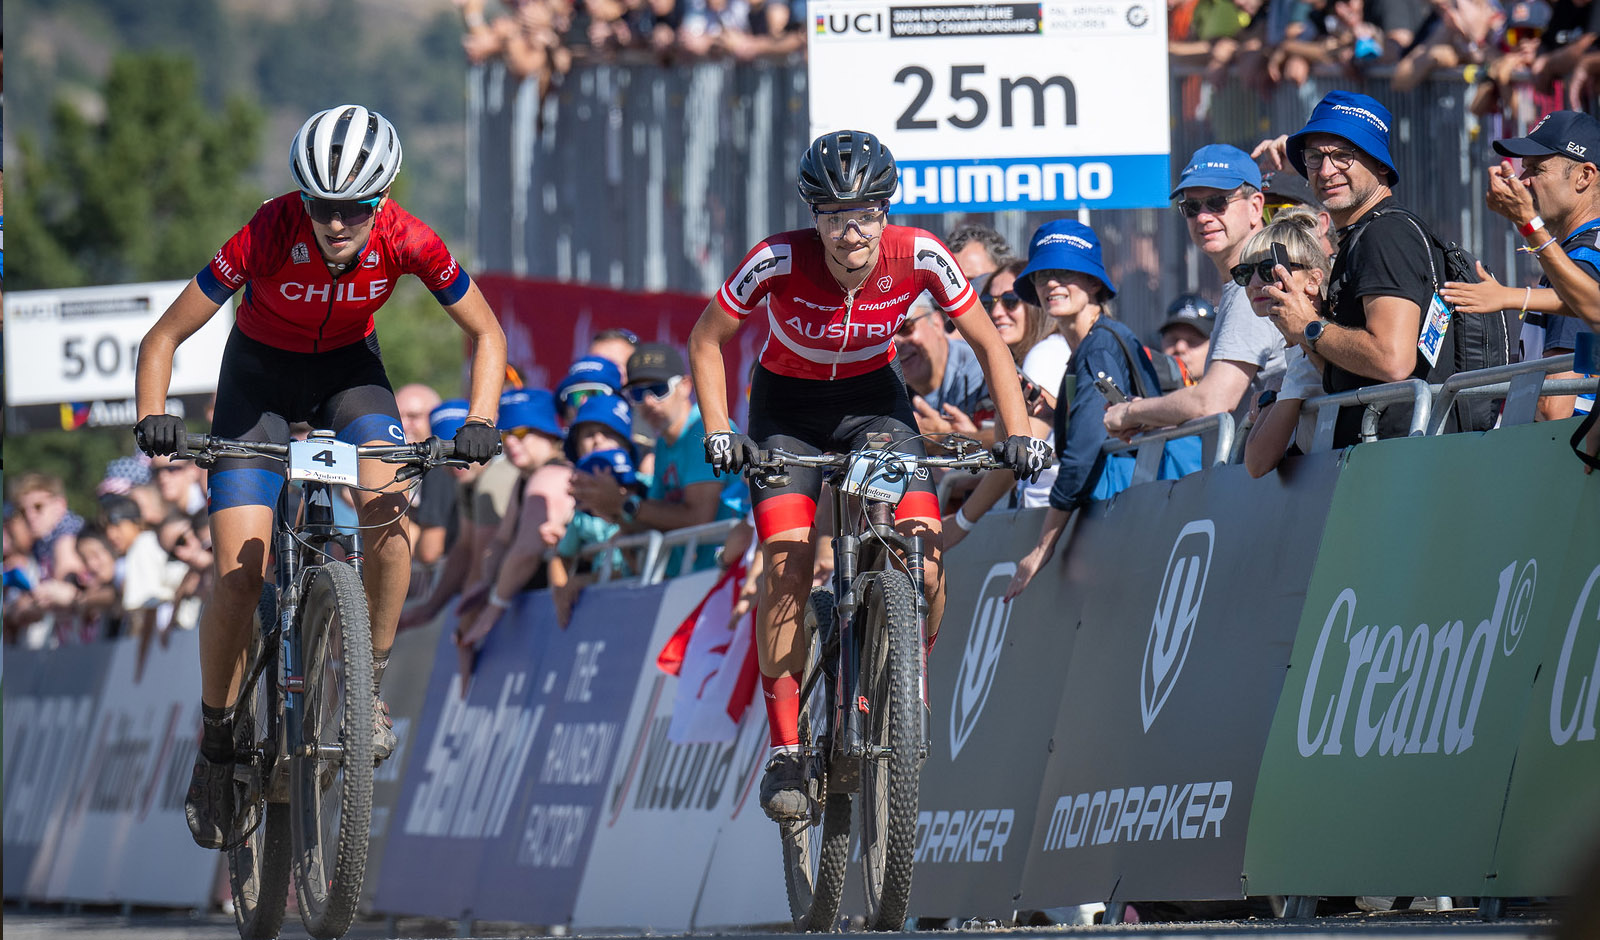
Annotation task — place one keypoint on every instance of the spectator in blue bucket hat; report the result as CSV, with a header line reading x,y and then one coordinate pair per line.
x,y
607,416
1063,245
532,409
1359,120
447,417
586,378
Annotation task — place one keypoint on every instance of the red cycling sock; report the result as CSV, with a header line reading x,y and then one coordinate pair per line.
x,y
782,696
927,644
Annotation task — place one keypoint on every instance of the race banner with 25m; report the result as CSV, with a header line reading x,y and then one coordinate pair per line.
x,y
988,106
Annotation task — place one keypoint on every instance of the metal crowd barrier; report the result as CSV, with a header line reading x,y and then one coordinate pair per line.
x,y
1216,444
1521,384
655,549
1378,399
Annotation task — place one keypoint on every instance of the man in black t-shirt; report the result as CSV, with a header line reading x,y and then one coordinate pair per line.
x,y
1382,285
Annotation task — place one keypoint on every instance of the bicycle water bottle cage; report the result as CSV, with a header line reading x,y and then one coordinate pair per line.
x,y
879,475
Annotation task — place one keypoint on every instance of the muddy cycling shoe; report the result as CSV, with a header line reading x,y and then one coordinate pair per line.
x,y
383,740
208,806
783,788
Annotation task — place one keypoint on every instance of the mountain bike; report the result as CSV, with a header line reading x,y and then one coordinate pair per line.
x,y
864,721
303,722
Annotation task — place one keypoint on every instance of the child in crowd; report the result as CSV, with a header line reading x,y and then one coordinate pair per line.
x,y
600,442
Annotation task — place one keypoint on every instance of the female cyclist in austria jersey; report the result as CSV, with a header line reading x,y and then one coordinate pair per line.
x,y
834,296
315,265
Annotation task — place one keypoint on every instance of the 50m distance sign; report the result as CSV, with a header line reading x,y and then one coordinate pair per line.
x,y
1001,105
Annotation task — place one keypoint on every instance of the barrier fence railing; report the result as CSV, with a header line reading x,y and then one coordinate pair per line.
x,y
1521,384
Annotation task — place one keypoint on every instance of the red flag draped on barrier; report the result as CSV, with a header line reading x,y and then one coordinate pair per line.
x,y
713,654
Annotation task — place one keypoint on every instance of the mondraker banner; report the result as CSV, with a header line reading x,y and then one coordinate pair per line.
x,y
1191,593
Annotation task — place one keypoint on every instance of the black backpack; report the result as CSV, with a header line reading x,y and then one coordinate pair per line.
x,y
1171,373
1481,340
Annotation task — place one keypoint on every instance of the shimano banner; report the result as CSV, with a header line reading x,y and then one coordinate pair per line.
x,y
1190,594
1447,638
995,681
51,698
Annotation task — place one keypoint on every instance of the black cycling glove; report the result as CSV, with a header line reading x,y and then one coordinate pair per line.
x,y
160,434
729,451
1026,456
477,442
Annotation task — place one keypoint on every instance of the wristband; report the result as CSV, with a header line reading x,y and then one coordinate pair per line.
x,y
468,420
1526,298
496,601
962,523
1547,244
1533,225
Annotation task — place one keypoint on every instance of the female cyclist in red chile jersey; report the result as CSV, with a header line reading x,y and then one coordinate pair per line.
x,y
836,294
315,265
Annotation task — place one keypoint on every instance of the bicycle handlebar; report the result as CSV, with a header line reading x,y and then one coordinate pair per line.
x,y
774,461
425,454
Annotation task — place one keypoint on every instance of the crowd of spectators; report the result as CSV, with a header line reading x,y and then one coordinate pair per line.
x,y
1489,43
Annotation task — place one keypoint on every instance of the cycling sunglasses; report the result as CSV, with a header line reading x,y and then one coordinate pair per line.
x,y
349,211
655,390
1008,300
573,399
1263,269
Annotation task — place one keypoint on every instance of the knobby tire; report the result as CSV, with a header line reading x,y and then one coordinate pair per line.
x,y
336,638
258,867
815,856
891,671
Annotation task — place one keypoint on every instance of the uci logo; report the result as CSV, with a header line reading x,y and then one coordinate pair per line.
x,y
1177,607
849,23
981,659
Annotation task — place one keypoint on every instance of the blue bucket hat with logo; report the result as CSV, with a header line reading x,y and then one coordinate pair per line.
x,y
611,411
614,461
530,408
595,373
447,418
1218,166
1062,245
1358,118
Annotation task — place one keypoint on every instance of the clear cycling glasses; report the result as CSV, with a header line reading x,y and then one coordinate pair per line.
x,y
868,221
349,211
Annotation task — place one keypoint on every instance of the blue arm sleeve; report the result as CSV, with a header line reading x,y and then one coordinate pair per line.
x,y
211,287
454,291
1081,459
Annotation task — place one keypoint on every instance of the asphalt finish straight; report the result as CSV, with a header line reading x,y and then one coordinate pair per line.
x,y
37,925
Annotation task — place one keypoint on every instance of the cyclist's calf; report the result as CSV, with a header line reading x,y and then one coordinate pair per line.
x,y
785,587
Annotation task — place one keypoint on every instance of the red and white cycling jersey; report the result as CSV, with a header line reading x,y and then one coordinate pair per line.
x,y
294,302
819,332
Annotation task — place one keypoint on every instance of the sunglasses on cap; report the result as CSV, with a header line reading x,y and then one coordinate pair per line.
x,y
349,211
1241,273
653,390
1215,205
1008,300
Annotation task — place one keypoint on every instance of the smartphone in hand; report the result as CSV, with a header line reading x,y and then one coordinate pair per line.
x,y
1109,389
1279,255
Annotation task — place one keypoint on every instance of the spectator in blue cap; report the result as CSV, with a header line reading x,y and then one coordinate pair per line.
x,y
586,378
1066,276
535,522
1219,196
603,422
600,444
1382,290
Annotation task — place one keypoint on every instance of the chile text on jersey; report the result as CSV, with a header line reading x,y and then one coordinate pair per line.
x,y
294,302
817,331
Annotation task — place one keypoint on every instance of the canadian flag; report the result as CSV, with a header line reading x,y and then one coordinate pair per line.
x,y
713,654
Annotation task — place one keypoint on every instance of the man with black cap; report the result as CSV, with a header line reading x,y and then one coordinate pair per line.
x,y
1555,205
1186,333
1382,289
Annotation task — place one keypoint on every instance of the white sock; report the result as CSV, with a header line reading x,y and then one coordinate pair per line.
x,y
784,749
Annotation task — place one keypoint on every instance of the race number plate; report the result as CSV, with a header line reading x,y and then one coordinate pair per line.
x,y
879,474
323,459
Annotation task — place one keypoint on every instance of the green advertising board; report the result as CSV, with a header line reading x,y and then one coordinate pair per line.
x,y
1447,575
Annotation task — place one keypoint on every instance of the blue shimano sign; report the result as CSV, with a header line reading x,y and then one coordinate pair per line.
x,y
1118,182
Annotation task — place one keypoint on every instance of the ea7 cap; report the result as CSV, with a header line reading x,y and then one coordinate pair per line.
x,y
655,362
1218,166
608,410
447,418
1062,245
596,373
1358,118
1570,133
530,408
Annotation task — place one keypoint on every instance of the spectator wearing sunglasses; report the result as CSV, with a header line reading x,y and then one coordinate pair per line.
x,y
683,489
600,446
589,377
1219,196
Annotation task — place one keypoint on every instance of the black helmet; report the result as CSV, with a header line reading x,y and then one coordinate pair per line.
x,y
847,166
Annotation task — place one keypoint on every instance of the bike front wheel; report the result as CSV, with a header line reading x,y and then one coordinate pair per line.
x,y
330,791
258,865
815,853
891,691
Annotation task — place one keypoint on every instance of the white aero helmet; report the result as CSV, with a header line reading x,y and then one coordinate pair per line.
x,y
346,152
